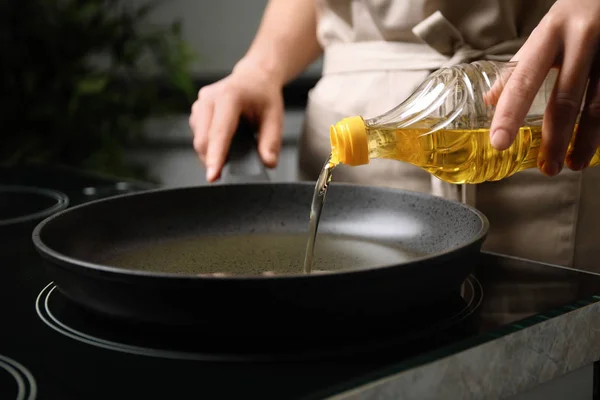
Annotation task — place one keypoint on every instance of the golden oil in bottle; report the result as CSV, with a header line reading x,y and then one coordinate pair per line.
x,y
458,155
443,127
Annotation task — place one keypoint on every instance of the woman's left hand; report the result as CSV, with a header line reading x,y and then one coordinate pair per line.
x,y
567,37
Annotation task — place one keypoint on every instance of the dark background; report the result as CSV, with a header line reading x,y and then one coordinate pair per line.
x,y
107,85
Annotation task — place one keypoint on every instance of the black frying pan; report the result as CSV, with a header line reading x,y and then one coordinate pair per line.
x,y
384,251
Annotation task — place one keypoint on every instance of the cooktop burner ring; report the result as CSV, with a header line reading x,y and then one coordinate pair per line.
x,y
50,319
26,385
472,294
49,201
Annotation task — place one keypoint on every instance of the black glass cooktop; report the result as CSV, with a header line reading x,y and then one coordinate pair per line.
x,y
50,348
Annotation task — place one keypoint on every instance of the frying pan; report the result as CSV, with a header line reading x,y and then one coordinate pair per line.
x,y
444,239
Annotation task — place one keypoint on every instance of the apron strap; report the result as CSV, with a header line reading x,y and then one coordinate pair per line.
x,y
442,36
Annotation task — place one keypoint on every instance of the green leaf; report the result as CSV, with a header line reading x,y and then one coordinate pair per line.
x,y
78,112
92,85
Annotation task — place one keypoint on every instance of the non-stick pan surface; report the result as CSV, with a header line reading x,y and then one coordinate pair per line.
x,y
412,248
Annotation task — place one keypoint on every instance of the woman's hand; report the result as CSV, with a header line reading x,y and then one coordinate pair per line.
x,y
285,44
250,92
567,37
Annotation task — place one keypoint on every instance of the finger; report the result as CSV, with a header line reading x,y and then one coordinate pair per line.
x,y
191,120
493,94
202,116
565,103
587,139
535,60
269,137
224,123
202,98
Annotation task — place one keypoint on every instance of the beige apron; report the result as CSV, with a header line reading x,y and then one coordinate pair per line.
x,y
378,51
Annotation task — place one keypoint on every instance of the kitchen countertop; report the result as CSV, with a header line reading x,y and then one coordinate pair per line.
x,y
500,364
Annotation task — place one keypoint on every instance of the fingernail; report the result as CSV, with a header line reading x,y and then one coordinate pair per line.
x,y
210,173
577,165
574,165
270,157
551,168
500,139
582,166
557,167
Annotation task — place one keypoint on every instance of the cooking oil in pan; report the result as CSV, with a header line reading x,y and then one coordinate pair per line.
x,y
267,253
259,254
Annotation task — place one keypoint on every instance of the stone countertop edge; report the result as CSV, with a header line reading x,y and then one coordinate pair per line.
x,y
498,368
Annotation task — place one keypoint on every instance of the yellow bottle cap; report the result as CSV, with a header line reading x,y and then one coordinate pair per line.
x,y
349,141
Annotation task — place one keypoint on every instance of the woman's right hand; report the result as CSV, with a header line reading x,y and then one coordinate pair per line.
x,y
248,91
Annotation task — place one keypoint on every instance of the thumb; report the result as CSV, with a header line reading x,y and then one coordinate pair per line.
x,y
269,136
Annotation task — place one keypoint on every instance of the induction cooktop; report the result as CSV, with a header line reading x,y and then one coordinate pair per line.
x,y
51,348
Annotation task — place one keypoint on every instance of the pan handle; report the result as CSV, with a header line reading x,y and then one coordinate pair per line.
x,y
243,164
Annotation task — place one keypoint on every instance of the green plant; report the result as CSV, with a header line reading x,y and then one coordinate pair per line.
x,y
80,77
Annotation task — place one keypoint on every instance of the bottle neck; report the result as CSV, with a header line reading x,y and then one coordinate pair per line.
x,y
349,142
401,144
354,142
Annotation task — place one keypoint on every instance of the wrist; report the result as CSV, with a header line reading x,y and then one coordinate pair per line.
x,y
268,68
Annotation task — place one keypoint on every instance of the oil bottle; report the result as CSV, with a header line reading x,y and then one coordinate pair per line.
x,y
443,127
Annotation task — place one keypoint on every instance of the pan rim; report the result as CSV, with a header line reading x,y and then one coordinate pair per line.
x,y
81,266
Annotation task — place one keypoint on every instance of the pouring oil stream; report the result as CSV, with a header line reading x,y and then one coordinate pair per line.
x,y
316,208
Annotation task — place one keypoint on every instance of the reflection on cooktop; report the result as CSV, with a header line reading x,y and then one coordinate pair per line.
x,y
16,382
428,323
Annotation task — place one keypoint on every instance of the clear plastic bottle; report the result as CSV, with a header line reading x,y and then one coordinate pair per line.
x,y
443,127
